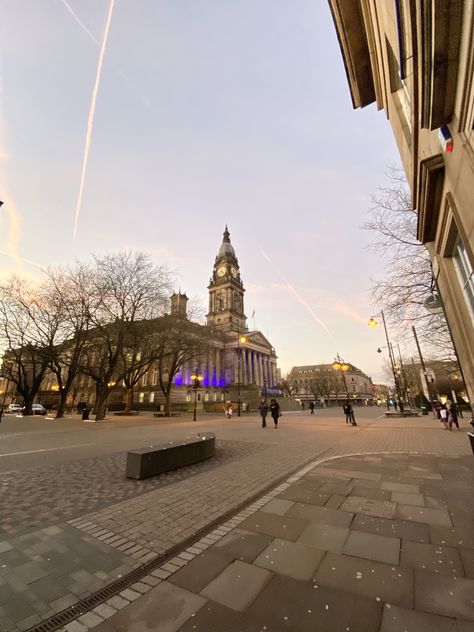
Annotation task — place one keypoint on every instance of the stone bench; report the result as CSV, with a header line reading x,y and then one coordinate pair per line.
x,y
405,413
156,459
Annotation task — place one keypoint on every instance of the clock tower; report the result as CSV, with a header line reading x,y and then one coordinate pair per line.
x,y
226,291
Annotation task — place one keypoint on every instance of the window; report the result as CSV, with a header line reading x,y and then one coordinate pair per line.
x,y
141,397
465,272
152,396
145,379
154,377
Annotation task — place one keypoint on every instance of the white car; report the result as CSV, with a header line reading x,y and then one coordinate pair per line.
x,y
36,409
14,408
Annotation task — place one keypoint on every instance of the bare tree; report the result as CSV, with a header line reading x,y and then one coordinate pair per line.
x,y
26,328
126,288
181,341
67,293
408,282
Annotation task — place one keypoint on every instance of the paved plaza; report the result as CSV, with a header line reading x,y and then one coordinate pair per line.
x,y
316,525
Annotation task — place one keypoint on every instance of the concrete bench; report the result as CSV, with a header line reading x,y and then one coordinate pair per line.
x,y
405,413
156,459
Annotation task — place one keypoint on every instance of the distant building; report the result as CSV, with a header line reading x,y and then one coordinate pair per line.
x,y
323,383
415,60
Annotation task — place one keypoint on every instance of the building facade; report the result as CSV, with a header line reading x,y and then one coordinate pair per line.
x,y
324,383
415,60
237,362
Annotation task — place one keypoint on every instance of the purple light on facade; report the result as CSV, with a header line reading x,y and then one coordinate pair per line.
x,y
178,380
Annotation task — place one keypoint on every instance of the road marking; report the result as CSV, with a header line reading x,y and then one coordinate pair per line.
x,y
66,447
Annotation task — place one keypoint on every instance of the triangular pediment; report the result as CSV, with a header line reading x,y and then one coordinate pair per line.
x,y
258,338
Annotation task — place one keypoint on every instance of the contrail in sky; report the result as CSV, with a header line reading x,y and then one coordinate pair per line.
x,y
22,259
146,102
90,120
295,293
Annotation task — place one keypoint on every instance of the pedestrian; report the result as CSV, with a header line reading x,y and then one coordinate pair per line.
x,y
395,404
229,411
443,415
437,408
453,416
401,406
302,405
244,407
263,409
311,407
349,412
275,411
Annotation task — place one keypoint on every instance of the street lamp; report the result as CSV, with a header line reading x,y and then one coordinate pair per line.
x,y
197,379
341,366
240,340
373,323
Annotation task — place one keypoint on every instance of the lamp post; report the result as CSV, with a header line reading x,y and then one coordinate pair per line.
x,y
373,323
197,379
425,373
341,366
240,340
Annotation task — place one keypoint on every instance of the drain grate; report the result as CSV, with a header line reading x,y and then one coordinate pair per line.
x,y
114,588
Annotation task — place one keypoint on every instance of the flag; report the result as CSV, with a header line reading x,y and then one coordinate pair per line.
x,y
253,314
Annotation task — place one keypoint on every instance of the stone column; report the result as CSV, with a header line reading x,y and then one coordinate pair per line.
x,y
244,366
218,366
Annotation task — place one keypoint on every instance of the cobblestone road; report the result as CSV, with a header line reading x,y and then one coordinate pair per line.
x,y
39,497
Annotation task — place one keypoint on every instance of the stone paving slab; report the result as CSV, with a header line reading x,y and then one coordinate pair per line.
x,y
289,558
435,558
441,595
398,619
238,585
374,547
306,606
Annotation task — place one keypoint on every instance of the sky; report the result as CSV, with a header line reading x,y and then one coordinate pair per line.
x,y
207,113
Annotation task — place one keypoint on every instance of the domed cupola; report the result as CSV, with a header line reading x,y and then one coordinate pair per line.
x,y
226,248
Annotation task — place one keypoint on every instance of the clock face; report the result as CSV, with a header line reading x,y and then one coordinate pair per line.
x,y
221,271
233,272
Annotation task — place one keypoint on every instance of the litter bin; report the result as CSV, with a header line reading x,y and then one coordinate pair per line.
x,y
471,439
424,410
85,414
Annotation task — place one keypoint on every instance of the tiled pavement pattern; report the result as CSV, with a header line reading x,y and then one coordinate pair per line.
x,y
380,543
38,497
77,560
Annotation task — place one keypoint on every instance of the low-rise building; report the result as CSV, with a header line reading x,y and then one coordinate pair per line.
x,y
329,386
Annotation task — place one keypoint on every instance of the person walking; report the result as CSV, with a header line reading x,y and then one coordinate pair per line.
x,y
229,411
349,412
311,408
263,409
443,415
453,416
275,411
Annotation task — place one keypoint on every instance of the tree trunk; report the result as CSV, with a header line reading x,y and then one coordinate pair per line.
x,y
128,400
28,406
101,403
61,404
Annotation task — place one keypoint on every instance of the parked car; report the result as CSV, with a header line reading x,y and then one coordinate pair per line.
x,y
14,408
37,409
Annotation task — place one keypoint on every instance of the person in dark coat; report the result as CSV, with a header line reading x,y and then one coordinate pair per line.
x,y
263,409
275,411
349,412
311,407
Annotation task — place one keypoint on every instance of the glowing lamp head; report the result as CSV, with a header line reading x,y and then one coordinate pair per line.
x,y
242,340
344,367
336,365
372,322
111,384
